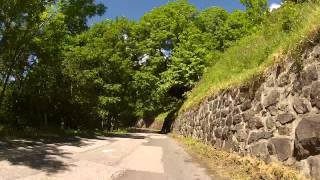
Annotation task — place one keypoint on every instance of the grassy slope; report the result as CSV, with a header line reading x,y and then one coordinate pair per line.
x,y
253,54
161,117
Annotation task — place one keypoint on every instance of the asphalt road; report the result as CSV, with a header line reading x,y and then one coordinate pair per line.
x,y
137,156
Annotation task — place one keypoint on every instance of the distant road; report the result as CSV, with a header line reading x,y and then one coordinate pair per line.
x,y
135,156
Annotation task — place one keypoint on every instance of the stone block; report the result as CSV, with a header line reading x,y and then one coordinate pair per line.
x,y
260,150
314,166
270,123
255,123
270,82
241,135
226,133
283,107
218,144
308,75
229,121
218,132
237,119
258,107
236,111
282,148
256,136
285,118
315,94
297,85
316,52
248,115
273,110
284,130
299,106
271,99
222,122
307,139
246,105
306,91
283,80
258,94
224,113
230,145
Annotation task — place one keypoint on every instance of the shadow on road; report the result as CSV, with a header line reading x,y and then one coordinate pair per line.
x,y
52,155
46,155
35,155
128,136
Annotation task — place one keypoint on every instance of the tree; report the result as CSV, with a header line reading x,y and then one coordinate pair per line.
x,y
20,22
256,9
56,71
78,11
157,35
187,64
100,64
236,26
33,35
43,90
212,23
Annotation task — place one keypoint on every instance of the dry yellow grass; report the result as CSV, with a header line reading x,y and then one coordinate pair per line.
x,y
231,165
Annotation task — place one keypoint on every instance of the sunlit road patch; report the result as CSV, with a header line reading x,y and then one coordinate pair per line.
x,y
107,150
133,156
145,158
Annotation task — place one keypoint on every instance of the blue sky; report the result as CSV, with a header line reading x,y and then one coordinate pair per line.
x,y
134,9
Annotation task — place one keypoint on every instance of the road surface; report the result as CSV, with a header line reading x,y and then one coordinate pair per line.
x,y
136,156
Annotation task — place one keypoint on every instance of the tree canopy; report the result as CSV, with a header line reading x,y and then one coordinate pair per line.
x,y
56,71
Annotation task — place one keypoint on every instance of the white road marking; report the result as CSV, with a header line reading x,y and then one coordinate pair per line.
x,y
158,137
107,150
86,145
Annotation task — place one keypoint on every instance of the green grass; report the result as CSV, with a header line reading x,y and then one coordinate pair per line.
x,y
233,166
52,133
162,117
251,56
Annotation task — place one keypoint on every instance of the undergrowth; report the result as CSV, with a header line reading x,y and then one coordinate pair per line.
x,y
281,36
7,132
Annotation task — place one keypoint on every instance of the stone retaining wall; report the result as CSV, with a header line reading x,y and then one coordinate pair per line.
x,y
276,118
149,123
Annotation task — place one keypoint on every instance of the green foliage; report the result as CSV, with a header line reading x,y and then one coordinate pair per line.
x,y
256,9
237,26
212,22
57,72
34,91
141,69
77,12
99,63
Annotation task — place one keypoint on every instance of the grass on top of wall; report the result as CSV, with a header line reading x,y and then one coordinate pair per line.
x,y
161,117
252,55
